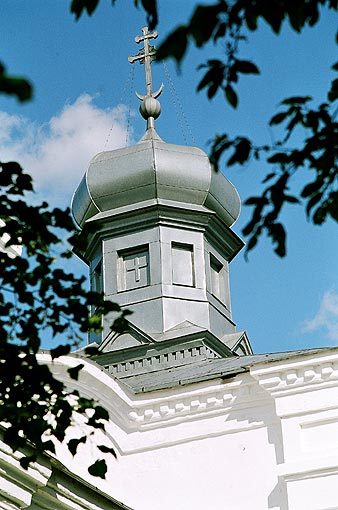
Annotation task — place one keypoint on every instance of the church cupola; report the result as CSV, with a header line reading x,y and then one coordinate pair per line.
x,y
156,220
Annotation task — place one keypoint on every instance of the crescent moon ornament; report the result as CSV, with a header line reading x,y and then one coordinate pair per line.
x,y
154,94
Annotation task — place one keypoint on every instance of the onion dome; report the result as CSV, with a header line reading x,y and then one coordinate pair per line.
x,y
153,169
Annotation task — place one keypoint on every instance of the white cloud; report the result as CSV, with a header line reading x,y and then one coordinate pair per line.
x,y
326,318
57,153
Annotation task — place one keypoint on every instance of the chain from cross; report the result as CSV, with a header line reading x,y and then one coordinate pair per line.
x,y
145,56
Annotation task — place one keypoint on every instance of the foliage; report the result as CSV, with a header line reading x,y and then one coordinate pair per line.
x,y
78,7
226,22
317,156
15,85
37,295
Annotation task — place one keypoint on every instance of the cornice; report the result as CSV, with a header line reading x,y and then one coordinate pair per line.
x,y
151,213
299,374
145,411
175,408
167,354
128,219
135,413
223,238
248,400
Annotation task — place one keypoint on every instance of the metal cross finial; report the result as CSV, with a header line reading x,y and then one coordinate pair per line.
x,y
145,56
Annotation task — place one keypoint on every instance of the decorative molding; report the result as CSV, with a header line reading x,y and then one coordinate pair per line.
x,y
128,220
308,469
297,375
146,421
153,409
200,398
176,408
160,361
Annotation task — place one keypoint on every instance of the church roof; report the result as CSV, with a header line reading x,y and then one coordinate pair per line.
x,y
153,169
206,370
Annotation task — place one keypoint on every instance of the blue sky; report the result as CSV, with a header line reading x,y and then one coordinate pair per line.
x,y
83,96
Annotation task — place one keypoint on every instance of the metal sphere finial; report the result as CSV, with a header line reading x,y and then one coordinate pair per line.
x,y
150,107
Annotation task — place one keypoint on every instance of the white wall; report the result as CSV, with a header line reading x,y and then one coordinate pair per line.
x,y
262,440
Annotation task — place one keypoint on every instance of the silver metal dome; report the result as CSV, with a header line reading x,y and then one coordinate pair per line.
x,y
153,169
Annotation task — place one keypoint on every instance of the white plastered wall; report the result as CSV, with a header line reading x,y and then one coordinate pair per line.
x,y
262,440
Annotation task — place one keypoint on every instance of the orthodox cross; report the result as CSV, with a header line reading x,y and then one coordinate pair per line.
x,y
145,56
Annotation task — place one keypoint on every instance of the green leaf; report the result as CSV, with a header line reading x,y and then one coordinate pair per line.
x,y
25,461
120,325
74,371
291,199
297,15
101,413
60,350
174,46
77,7
251,17
278,118
99,468
251,243
273,13
220,32
312,202
242,152
49,446
277,232
150,6
311,188
256,200
297,100
279,157
268,177
213,78
219,145
320,214
231,96
105,449
15,85
110,306
333,92
246,67
74,443
95,322
91,350
333,205
204,22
